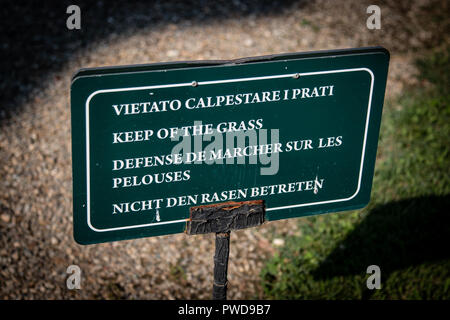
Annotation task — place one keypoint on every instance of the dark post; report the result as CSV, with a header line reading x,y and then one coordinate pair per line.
x,y
221,266
222,218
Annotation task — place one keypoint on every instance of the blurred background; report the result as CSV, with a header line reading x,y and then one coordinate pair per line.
x,y
405,229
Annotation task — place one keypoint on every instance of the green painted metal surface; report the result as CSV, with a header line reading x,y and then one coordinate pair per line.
x,y
299,131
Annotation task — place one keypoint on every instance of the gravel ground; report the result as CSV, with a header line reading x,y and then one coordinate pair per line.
x,y
36,243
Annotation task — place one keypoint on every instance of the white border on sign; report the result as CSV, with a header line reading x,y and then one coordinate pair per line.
x,y
188,84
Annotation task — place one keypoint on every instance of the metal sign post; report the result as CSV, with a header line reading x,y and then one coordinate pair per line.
x,y
221,219
221,266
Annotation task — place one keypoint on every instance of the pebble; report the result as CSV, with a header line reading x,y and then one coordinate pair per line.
x,y
278,242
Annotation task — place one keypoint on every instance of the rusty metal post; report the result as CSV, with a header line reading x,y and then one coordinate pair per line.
x,y
221,218
221,266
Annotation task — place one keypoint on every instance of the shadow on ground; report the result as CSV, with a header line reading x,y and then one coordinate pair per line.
x,y
35,41
393,236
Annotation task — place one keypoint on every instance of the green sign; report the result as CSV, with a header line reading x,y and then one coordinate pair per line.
x,y
299,131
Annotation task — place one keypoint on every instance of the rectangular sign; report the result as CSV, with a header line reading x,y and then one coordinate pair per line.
x,y
299,131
